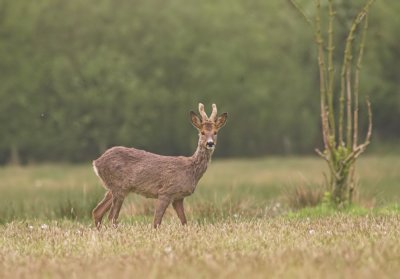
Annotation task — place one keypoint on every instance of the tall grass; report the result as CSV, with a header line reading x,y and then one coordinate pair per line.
x,y
47,192
248,188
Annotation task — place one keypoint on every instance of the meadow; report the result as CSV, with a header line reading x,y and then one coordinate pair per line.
x,y
241,222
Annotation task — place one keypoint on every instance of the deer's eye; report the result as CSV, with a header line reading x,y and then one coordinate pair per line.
x,y
202,133
215,133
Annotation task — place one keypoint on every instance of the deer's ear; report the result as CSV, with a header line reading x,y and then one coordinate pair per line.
x,y
221,120
195,120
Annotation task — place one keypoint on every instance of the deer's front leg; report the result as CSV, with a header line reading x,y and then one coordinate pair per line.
x,y
161,206
178,206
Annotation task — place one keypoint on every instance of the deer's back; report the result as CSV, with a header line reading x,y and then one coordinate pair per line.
x,y
128,169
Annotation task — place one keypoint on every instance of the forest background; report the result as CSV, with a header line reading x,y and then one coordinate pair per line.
x,y
77,77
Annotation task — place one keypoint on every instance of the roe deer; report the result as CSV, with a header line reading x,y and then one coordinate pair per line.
x,y
166,178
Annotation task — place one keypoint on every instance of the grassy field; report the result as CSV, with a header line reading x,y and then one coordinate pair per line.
x,y
239,225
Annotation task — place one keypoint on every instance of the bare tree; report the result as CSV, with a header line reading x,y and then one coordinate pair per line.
x,y
340,127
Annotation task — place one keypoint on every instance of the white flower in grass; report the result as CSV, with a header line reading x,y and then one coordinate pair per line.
x,y
311,232
44,226
168,249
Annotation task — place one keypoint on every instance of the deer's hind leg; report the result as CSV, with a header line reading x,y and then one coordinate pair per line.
x,y
178,206
102,209
117,201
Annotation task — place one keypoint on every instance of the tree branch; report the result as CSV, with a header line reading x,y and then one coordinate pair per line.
x,y
302,13
331,69
357,81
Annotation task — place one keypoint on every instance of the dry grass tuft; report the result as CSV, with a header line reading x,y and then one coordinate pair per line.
x,y
303,195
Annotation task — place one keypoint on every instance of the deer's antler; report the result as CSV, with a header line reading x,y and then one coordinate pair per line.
x,y
202,112
213,116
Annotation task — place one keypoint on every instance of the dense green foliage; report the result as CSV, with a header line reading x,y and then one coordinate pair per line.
x,y
79,76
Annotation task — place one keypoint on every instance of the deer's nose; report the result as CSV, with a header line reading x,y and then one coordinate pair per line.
x,y
210,143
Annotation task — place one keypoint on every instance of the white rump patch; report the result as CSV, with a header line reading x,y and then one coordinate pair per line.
x,y
95,169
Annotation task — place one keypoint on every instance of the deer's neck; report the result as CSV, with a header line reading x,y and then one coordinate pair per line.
x,y
200,160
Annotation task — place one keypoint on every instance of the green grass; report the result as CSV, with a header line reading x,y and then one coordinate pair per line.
x,y
239,225
246,187
47,192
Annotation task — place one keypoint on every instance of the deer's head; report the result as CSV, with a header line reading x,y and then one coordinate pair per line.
x,y
208,127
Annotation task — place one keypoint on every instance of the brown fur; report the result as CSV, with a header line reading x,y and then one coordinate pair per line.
x,y
166,178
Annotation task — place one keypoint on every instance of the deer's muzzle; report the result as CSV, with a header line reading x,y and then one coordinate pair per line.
x,y
210,144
